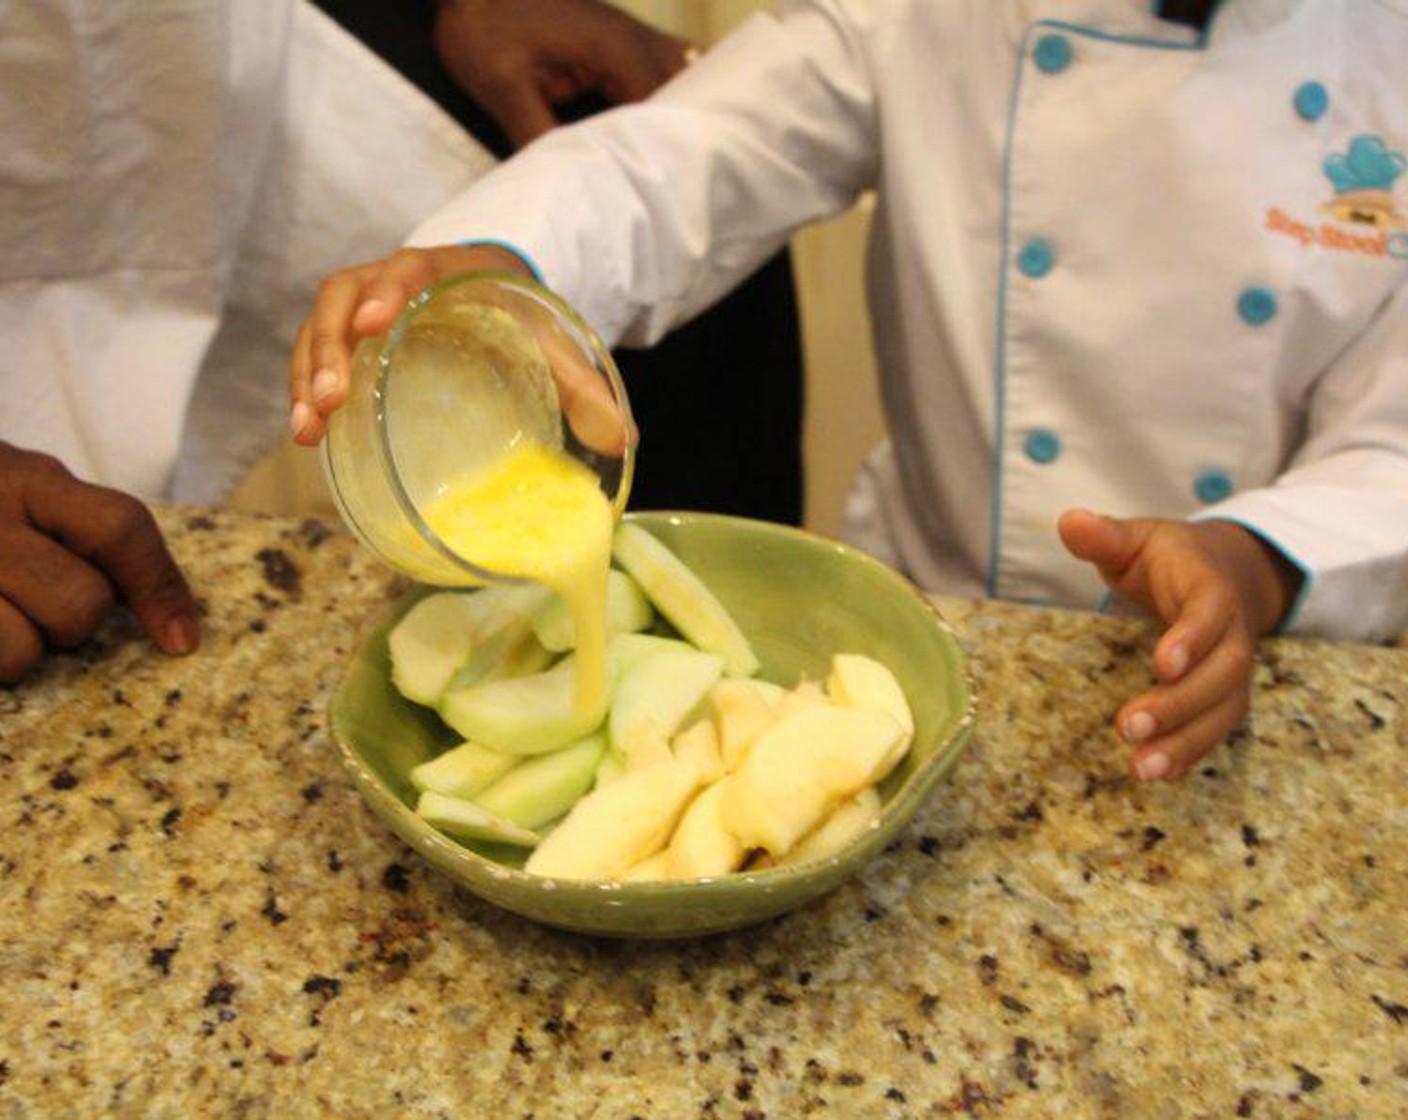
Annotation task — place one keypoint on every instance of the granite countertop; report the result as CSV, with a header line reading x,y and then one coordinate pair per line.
x,y
200,917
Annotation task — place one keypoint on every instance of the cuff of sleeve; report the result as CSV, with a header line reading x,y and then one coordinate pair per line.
x,y
1348,590
496,243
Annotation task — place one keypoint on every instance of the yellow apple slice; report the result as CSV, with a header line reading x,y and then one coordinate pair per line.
x,y
681,597
801,768
847,821
617,825
742,709
698,745
857,681
652,869
702,847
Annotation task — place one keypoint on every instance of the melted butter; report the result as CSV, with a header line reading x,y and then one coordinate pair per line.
x,y
538,514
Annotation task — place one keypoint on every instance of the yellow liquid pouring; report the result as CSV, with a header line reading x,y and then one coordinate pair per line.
x,y
538,514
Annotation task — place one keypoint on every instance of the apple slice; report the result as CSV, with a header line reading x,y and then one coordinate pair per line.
x,y
609,770
742,709
523,715
702,847
432,640
468,821
698,745
801,768
627,611
463,771
617,825
626,651
652,869
654,697
857,681
681,597
543,788
847,821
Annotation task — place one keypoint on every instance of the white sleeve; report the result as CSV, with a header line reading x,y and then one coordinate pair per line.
x,y
645,215
1340,510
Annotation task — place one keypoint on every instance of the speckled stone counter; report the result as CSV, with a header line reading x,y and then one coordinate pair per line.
x,y
199,917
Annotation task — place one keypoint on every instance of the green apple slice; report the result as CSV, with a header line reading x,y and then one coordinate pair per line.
x,y
464,770
617,825
543,788
801,768
523,715
432,641
466,820
681,597
653,698
627,611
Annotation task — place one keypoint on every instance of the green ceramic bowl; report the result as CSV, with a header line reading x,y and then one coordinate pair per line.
x,y
799,599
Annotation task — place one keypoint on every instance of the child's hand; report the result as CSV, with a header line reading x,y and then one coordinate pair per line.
x,y
363,302
1217,587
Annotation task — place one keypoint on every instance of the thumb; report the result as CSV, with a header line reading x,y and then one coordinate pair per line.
x,y
522,110
1107,542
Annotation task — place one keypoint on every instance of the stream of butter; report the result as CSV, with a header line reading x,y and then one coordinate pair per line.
x,y
538,514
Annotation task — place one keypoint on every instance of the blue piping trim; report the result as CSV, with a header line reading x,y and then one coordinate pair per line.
x,y
1000,351
1107,601
514,249
1307,576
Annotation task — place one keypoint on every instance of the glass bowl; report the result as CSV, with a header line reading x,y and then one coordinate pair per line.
x,y
475,366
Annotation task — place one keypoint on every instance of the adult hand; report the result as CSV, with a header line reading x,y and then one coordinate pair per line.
x,y
519,58
69,551
1217,587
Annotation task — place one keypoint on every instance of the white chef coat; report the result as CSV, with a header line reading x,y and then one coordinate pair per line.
x,y
1114,264
175,178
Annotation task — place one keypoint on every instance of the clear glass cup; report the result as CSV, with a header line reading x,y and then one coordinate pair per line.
x,y
473,367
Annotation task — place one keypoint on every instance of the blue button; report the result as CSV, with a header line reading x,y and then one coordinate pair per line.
x,y
1052,53
1036,258
1311,100
1042,445
1257,306
1213,485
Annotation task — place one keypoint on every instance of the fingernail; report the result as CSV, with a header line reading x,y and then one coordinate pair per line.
x,y
373,307
1153,766
298,418
324,385
1139,727
180,636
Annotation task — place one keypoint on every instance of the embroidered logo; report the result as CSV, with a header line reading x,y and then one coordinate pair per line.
x,y
1363,177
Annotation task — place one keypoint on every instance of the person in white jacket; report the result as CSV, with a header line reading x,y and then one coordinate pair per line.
x,y
174,179
1118,263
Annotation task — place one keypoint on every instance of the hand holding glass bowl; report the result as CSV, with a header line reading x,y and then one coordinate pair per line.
x,y
475,366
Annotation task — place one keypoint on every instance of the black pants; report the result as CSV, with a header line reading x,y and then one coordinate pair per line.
x,y
719,401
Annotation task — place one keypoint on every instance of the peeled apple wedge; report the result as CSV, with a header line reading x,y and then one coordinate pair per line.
x,y
627,611
463,771
523,715
698,745
847,821
742,709
702,847
857,681
543,788
617,825
652,869
468,821
653,698
682,598
801,768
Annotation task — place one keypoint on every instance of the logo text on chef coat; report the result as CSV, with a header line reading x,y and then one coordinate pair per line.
x,y
1363,176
